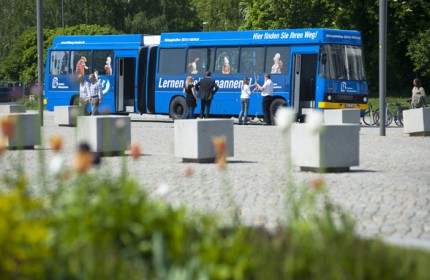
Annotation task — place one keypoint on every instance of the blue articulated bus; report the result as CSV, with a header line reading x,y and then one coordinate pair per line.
x,y
310,68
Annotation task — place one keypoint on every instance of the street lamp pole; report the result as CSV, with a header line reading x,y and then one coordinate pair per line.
x,y
382,64
40,58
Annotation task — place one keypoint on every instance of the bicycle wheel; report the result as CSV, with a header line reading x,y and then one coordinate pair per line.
x,y
367,118
399,119
388,118
376,117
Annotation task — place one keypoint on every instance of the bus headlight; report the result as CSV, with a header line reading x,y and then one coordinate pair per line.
x,y
329,97
365,99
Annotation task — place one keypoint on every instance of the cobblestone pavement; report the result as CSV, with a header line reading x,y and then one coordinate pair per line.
x,y
388,193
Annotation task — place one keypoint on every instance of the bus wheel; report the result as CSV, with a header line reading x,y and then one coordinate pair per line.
x,y
178,108
274,106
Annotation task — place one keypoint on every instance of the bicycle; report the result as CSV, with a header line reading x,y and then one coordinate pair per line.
x,y
388,116
398,115
368,117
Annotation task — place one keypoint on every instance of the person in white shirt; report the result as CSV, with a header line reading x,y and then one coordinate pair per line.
x,y
96,92
244,98
266,93
84,93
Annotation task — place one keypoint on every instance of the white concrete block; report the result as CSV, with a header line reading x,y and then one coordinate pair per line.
x,y
335,148
26,132
416,122
193,138
105,134
342,116
67,115
6,109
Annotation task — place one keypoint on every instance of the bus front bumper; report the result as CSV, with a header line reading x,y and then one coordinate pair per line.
x,y
332,105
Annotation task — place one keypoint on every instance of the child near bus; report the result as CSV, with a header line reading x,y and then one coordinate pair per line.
x,y
244,98
191,97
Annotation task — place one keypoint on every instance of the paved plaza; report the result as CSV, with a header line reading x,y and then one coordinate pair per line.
x,y
388,193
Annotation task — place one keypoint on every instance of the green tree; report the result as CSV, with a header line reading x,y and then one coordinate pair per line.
x,y
419,53
280,14
15,18
21,63
220,14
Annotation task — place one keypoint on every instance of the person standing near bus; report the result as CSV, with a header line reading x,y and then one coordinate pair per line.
x,y
266,93
418,95
190,97
207,89
84,93
244,98
96,93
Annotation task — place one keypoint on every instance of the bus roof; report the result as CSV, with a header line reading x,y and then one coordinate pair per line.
x,y
261,37
82,42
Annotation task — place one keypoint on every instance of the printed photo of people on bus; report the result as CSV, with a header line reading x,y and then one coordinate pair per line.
x,y
193,66
277,64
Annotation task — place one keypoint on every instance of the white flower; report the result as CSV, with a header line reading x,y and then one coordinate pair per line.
x,y
120,123
56,164
162,190
285,117
315,121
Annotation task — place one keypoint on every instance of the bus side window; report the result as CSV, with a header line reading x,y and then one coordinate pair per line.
x,y
102,62
251,60
278,60
59,63
227,61
199,60
171,61
81,62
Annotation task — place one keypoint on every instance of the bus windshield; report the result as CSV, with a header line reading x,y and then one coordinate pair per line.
x,y
341,62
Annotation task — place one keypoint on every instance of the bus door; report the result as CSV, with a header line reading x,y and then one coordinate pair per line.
x,y
303,83
125,84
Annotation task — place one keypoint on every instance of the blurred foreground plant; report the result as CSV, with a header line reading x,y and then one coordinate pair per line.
x,y
23,231
95,225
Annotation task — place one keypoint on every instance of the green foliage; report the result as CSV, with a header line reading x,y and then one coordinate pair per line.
x,y
31,102
99,226
23,231
107,228
11,27
219,14
419,53
21,63
274,14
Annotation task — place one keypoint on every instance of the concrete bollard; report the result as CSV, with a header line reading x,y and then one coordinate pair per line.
x,y
193,138
26,132
108,135
334,149
416,122
67,115
342,116
6,109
